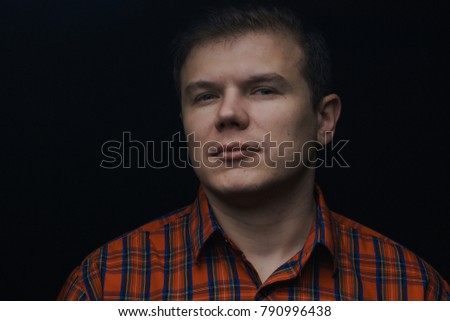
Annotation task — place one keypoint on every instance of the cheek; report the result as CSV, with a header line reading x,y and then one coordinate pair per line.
x,y
187,122
191,128
294,137
196,121
305,124
293,126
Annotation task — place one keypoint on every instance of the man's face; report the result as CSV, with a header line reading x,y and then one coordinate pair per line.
x,y
240,91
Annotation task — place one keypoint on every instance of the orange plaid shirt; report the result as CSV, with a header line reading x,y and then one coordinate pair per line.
x,y
186,256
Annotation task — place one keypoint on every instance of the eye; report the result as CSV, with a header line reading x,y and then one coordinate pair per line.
x,y
264,91
205,97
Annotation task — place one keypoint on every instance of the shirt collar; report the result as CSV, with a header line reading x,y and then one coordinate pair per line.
x,y
203,225
323,231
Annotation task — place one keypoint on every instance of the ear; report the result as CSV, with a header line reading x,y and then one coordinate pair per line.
x,y
328,112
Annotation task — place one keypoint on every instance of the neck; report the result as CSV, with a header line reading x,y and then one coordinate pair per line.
x,y
271,225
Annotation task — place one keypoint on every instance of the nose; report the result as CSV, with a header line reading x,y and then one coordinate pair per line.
x,y
232,113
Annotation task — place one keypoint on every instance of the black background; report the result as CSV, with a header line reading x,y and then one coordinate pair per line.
x,y
79,73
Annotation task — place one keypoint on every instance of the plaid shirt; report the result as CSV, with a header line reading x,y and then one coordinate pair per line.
x,y
186,256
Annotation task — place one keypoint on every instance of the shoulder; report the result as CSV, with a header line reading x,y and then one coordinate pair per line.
x,y
87,281
142,238
152,230
386,261
346,225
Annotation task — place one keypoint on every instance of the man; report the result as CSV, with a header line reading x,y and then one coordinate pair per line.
x,y
256,103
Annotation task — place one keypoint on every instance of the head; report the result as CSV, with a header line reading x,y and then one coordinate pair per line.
x,y
230,22
251,81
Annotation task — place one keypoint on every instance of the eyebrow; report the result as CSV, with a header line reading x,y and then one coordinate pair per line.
x,y
271,77
201,84
252,80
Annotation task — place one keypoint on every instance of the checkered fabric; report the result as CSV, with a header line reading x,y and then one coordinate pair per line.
x,y
187,256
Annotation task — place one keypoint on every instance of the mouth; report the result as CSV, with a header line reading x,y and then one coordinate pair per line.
x,y
234,151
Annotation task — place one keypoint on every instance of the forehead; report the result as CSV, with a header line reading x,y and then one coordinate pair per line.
x,y
241,56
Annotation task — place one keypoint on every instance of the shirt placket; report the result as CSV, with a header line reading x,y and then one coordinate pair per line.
x,y
266,290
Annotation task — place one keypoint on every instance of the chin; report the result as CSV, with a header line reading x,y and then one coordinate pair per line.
x,y
239,183
249,183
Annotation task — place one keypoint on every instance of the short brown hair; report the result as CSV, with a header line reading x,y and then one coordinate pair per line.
x,y
234,21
